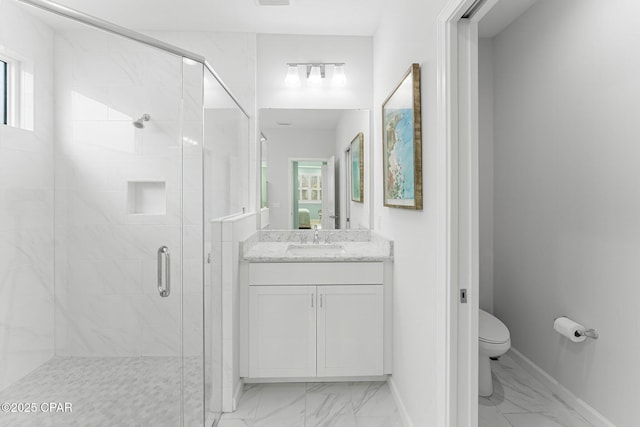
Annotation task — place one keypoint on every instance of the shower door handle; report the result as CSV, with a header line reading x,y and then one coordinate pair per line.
x,y
164,274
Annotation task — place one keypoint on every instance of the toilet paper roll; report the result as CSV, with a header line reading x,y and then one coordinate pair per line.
x,y
569,328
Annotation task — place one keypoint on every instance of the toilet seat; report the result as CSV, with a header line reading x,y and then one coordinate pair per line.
x,y
492,330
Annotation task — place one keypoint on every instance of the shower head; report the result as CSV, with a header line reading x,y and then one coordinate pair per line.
x,y
140,122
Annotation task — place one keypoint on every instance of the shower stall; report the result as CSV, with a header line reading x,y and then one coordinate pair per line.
x,y
118,149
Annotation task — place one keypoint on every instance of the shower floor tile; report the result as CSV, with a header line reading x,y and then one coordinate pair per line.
x,y
519,400
115,391
348,404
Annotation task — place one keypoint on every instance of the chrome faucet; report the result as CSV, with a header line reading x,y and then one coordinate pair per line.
x,y
316,236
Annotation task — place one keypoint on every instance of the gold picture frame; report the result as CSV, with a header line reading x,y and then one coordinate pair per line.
x,y
402,143
356,154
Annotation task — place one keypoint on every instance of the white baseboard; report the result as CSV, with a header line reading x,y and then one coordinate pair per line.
x,y
406,420
579,405
248,380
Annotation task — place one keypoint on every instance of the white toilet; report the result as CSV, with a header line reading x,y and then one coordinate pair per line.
x,y
494,341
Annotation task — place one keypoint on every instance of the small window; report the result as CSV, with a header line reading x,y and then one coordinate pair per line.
x,y
3,92
16,92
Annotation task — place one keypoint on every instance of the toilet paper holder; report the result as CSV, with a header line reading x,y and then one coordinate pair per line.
x,y
589,333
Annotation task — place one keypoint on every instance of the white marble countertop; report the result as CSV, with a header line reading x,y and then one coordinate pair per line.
x,y
357,246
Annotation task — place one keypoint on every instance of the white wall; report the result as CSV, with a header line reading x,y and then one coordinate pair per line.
x,y
275,51
285,144
350,124
407,34
26,208
567,199
485,159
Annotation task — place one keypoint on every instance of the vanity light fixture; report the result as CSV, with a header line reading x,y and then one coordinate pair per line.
x,y
314,77
315,73
293,78
339,78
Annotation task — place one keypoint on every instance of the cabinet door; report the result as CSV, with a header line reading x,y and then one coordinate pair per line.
x,y
282,331
350,330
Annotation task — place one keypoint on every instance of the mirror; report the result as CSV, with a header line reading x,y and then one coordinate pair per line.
x,y
308,171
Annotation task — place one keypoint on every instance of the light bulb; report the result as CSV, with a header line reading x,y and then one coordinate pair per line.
x,y
339,78
292,79
315,78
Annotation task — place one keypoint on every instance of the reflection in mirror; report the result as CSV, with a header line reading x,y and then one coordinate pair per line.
x,y
264,193
308,179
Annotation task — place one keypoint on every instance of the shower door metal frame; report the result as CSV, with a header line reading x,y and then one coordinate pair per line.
x,y
110,27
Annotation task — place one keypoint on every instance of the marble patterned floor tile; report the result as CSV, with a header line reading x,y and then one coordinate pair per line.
x,y
393,421
227,422
276,421
315,405
515,391
329,410
519,396
281,403
329,388
372,399
532,420
282,400
490,416
248,405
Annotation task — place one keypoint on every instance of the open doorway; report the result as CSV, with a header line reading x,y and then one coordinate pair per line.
x,y
312,194
505,118
460,123
347,188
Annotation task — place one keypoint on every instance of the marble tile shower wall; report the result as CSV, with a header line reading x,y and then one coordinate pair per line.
x,y
227,160
106,290
26,207
233,56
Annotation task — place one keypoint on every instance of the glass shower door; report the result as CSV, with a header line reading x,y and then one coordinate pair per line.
x,y
129,231
102,291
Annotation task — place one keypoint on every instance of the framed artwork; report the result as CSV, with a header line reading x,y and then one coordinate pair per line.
x,y
402,143
356,151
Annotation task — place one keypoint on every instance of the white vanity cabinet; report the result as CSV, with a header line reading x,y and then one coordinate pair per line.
x,y
282,331
350,332
322,319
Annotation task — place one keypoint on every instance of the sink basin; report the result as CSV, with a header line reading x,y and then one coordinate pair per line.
x,y
319,249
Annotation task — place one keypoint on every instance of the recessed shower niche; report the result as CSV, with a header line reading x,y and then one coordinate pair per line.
x,y
146,198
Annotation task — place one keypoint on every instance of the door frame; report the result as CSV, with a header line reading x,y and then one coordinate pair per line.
x,y
458,223
345,172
